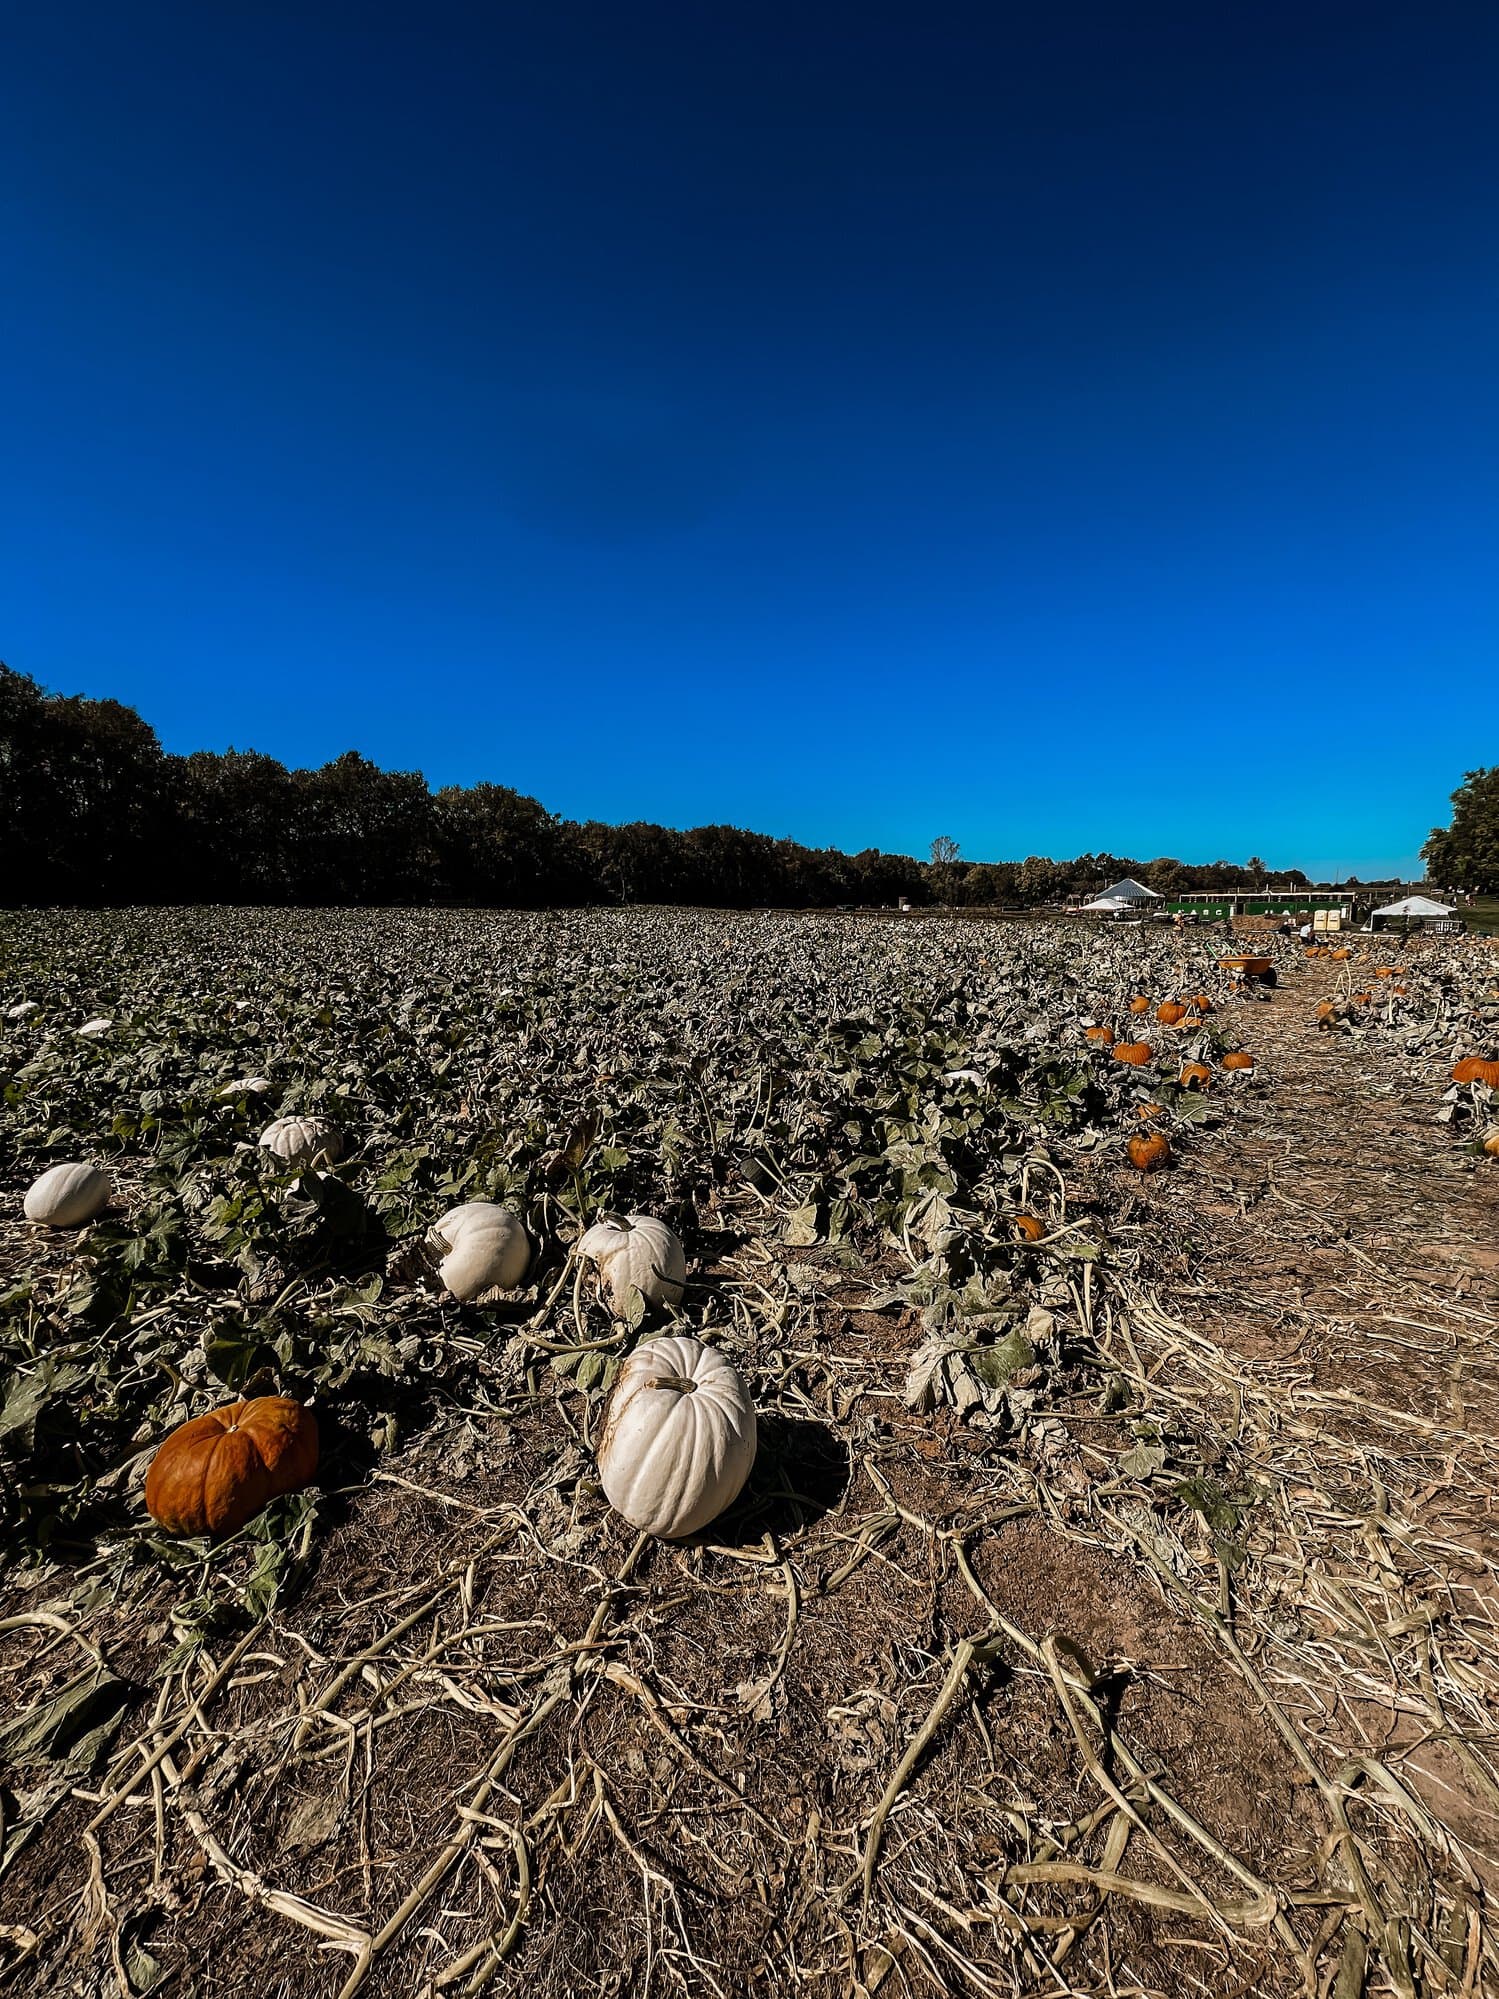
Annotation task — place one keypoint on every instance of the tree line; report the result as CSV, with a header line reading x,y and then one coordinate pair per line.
x,y
93,810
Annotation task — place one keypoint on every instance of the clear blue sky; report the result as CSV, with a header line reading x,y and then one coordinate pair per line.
x,y
1061,427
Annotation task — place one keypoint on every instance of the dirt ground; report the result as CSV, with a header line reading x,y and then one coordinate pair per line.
x,y
1191,1690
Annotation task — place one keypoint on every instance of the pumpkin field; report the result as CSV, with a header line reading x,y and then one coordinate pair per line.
x,y
672,1452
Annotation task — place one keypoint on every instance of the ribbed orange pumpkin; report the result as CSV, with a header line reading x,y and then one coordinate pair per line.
x,y
1139,1004
1490,1143
1104,1036
1136,1053
1326,1010
1363,999
1473,1069
1385,971
1149,1151
216,1472
1030,1226
1342,952
1202,1003
1238,1058
1195,1076
1169,1013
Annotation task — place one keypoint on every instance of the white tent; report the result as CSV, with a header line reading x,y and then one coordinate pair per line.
x,y
1107,905
1126,891
1415,905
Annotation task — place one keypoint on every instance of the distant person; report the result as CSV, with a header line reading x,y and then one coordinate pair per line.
x,y
1285,924
1305,933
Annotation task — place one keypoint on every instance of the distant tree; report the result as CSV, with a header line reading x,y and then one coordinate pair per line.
x,y
1465,854
944,851
1257,871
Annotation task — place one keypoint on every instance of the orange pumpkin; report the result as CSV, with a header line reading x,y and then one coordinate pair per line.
x,y
1030,1226
1238,1058
1326,1010
1490,1143
1342,952
1136,1053
1149,1110
216,1472
1169,1013
1202,1003
1139,1004
1363,999
1195,1076
1149,1151
1103,1035
1385,971
1473,1069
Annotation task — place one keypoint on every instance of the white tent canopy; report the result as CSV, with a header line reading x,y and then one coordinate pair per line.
x,y
1415,905
1107,905
1126,891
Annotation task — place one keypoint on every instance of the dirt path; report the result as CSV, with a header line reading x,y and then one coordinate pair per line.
x,y
1335,1308
1335,1224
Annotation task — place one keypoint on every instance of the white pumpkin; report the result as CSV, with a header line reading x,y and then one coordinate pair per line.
x,y
299,1143
247,1086
679,1437
95,1029
67,1196
640,1252
20,1010
483,1248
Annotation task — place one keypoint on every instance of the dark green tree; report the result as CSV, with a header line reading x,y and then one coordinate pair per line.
x,y
1465,855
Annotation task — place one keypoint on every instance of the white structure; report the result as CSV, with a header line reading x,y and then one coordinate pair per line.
x,y
1126,891
1412,908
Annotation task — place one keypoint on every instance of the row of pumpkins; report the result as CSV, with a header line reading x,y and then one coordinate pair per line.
x,y
678,1438
1149,1151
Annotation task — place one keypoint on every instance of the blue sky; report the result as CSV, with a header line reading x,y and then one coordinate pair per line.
x,y
1064,428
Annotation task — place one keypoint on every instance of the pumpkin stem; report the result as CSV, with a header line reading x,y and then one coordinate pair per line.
x,y
682,1382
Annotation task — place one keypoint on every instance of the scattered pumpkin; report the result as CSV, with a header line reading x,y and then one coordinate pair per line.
x,y
1238,1058
1169,1012
1149,1151
1473,1069
1326,1010
1490,1143
483,1248
1149,1110
1195,1076
1136,1053
637,1253
679,1437
1363,999
1202,1003
1341,952
1139,1004
67,1196
298,1144
1030,1226
219,1470
1104,1036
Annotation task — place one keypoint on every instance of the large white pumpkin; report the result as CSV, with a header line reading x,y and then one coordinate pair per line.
x,y
67,1196
21,1009
297,1143
483,1248
679,1437
640,1252
93,1030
